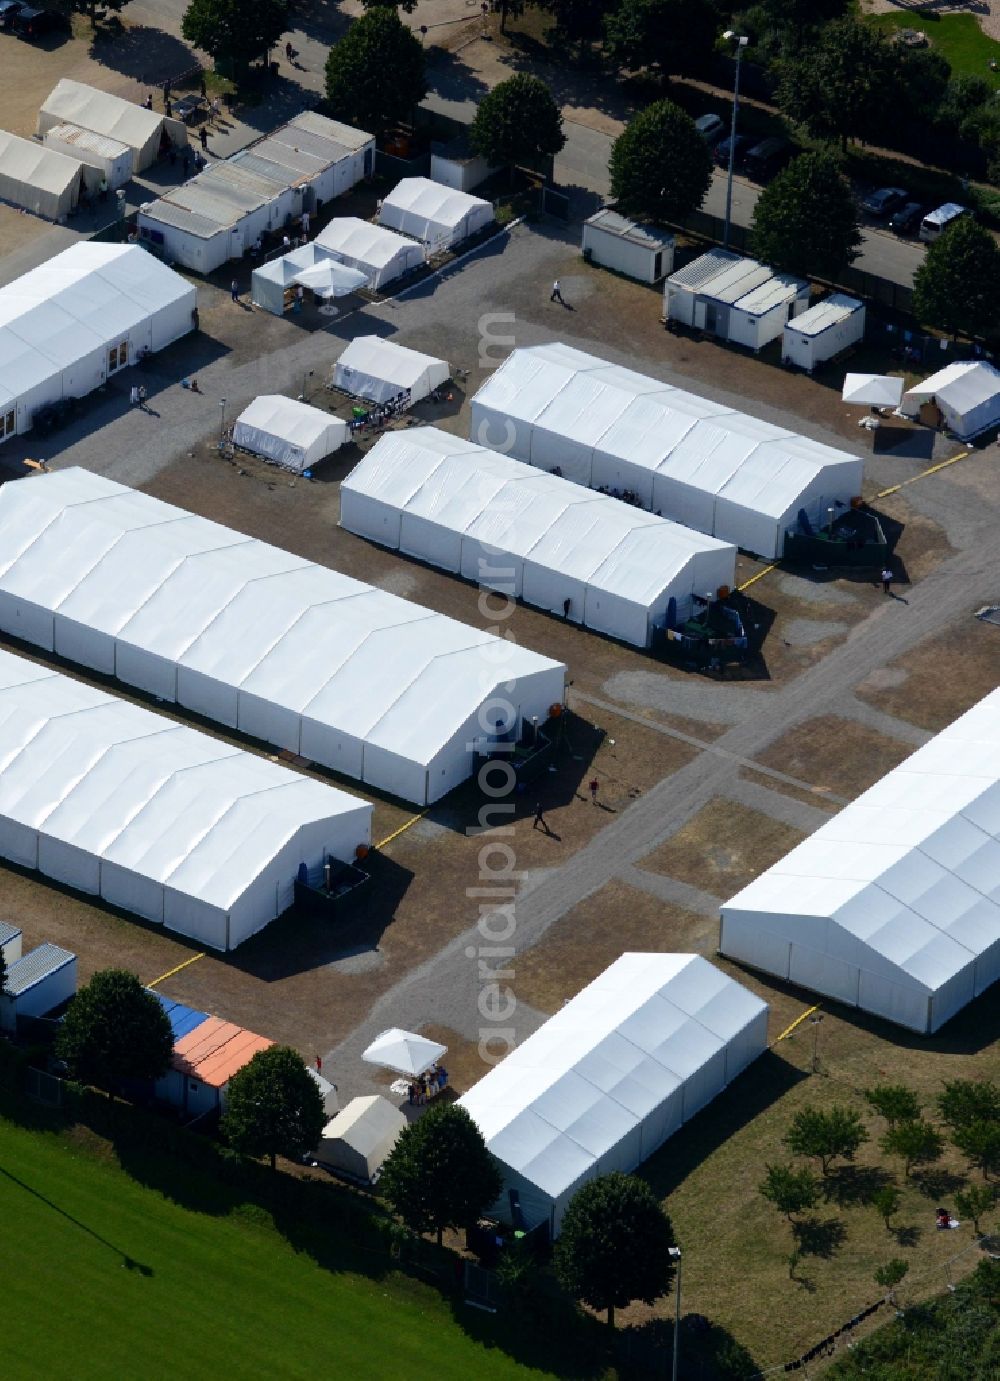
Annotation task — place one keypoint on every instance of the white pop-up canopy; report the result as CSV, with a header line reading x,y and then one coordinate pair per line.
x,y
874,390
404,1051
330,279
893,905
380,370
437,216
499,522
614,1073
968,394
288,432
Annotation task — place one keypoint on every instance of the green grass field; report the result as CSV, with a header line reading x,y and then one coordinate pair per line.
x,y
957,37
104,1277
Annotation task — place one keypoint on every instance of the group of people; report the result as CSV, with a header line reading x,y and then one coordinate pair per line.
x,y
626,495
428,1085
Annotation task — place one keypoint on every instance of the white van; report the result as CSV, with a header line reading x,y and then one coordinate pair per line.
x,y
936,221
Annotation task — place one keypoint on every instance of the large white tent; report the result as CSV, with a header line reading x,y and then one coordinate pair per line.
x,y
360,1137
968,394
377,369
68,325
37,178
142,130
893,906
288,432
603,1083
505,525
439,217
700,463
380,254
154,817
258,639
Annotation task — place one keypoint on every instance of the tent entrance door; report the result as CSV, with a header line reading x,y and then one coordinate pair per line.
x,y
117,357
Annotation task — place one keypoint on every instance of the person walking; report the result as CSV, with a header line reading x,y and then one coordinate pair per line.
x,y
567,606
166,94
133,396
203,136
540,818
887,580
594,784
305,226
234,289
556,295
148,103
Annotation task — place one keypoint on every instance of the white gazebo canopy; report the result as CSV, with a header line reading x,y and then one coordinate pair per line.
x,y
404,1051
873,390
330,279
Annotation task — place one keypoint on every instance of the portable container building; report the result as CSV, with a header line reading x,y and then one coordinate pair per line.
x,y
736,299
498,522
891,906
103,158
145,132
455,165
37,983
380,370
619,1069
86,314
823,332
10,942
163,821
966,394
38,179
204,1061
183,1019
638,251
380,254
437,216
288,652
358,1140
290,433
700,463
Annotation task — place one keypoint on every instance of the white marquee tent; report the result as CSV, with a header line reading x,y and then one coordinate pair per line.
x,y
968,394
700,463
288,432
256,638
360,1137
439,217
893,906
503,524
272,285
407,1052
154,817
83,315
378,369
140,129
603,1083
380,254
37,178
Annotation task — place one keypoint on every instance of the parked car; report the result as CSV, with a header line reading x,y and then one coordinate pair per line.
x,y
938,220
768,157
741,145
907,219
8,9
884,200
710,127
31,23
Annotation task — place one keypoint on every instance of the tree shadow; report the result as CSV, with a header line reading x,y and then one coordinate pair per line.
x,y
820,1237
907,1236
938,1183
708,1351
150,56
450,78
855,1184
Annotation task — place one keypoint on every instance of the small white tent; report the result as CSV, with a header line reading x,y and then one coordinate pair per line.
x,y
102,157
437,216
359,1138
272,285
380,254
38,179
620,1068
379,370
288,432
967,393
407,1052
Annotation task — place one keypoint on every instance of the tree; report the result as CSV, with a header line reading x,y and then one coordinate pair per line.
x,y
577,21
968,1100
843,86
674,35
791,1191
894,1102
979,1143
805,221
660,165
517,122
921,84
275,1107
511,9
440,1174
975,1201
407,6
115,1029
375,74
615,1245
838,1132
962,101
236,30
889,1275
915,1141
886,1201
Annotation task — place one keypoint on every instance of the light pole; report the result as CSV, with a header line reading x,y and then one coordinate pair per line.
x,y
814,1023
675,1252
741,42
222,417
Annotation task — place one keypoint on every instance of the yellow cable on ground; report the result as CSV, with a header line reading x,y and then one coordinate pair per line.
x,y
396,833
797,1022
943,465
747,583
170,972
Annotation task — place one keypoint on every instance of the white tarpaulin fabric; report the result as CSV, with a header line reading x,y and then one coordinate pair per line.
x,y
603,1083
104,158
875,390
141,130
381,370
457,505
968,394
360,1137
700,463
288,432
380,254
269,281
37,178
165,822
291,653
437,216
406,1052
331,279
893,906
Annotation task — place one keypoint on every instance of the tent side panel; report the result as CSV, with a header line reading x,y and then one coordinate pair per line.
x,y
824,973
743,937
142,896
208,696
30,622
146,671
69,865
907,1006
332,748
89,647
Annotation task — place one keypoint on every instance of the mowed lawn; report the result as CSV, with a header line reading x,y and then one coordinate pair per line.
x,y
957,37
103,1277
